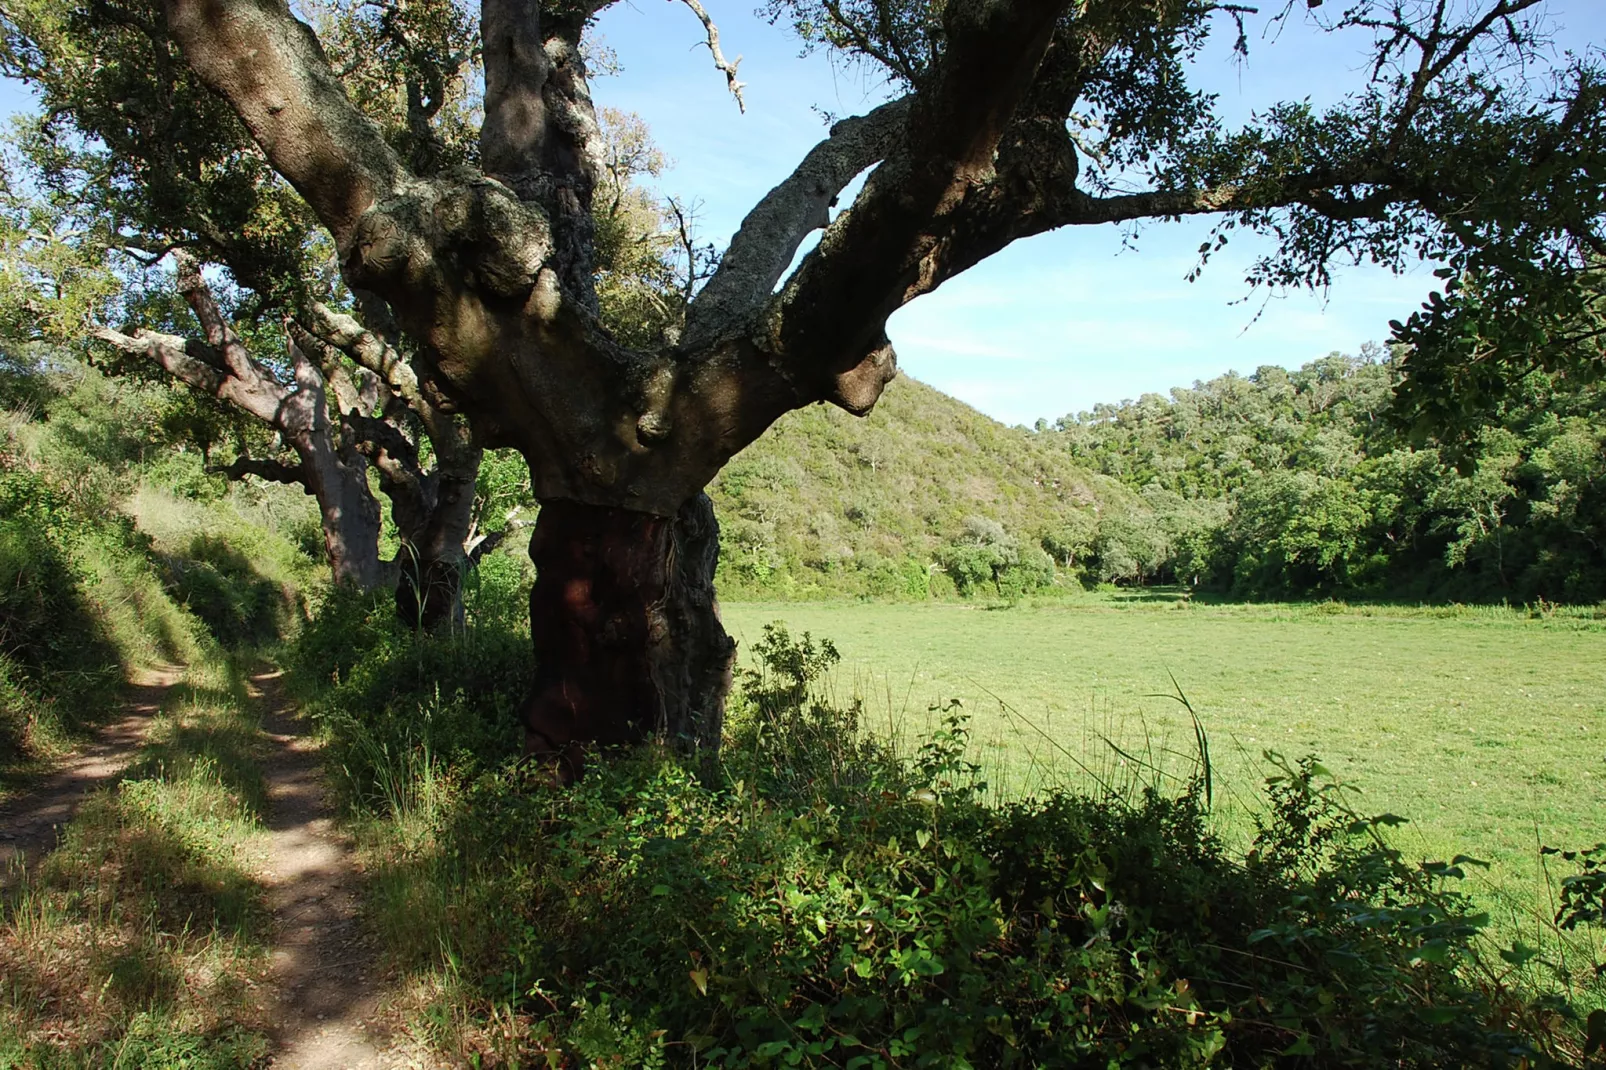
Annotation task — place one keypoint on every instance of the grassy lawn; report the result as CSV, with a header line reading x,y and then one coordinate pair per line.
x,y
1485,728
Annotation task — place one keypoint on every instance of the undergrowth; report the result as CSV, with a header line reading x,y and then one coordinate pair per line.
x,y
817,899
114,555
80,606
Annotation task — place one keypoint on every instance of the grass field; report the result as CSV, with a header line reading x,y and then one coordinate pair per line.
x,y
1484,727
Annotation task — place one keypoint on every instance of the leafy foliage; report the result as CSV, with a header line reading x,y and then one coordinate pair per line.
x,y
1296,484
818,900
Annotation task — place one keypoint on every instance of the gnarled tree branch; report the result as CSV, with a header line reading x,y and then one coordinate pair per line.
x,y
827,325
198,365
271,68
770,235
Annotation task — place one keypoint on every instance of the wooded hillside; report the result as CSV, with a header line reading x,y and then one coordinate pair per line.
x,y
828,504
1298,484
1278,484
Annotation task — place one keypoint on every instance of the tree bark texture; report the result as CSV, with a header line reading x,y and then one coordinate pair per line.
x,y
626,629
434,515
321,414
337,479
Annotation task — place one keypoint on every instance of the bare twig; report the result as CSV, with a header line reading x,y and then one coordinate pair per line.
x,y
720,63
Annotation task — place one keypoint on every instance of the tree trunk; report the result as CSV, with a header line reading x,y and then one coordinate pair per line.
x,y
626,628
338,480
432,560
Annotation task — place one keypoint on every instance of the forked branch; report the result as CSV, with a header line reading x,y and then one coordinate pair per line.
x,y
770,235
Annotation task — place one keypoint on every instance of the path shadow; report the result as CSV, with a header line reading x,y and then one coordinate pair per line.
x,y
31,823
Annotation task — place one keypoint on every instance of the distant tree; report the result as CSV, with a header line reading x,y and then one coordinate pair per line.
x,y
987,555
1462,142
1071,539
1131,547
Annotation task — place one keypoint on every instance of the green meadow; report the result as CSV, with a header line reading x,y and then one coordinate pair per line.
x,y
1484,727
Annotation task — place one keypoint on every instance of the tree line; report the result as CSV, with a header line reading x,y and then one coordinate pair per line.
x,y
1309,483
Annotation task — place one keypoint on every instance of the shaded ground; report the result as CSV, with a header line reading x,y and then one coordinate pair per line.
x,y
324,968
323,996
30,823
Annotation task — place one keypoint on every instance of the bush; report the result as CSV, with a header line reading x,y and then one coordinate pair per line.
x,y
817,900
71,590
220,586
392,701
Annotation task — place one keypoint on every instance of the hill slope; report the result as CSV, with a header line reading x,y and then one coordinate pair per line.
x,y
829,504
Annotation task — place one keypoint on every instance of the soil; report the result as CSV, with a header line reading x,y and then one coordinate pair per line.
x,y
324,970
31,823
323,979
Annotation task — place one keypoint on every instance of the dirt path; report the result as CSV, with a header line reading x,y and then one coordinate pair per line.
x,y
30,823
324,970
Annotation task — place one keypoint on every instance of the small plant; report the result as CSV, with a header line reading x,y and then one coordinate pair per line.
x,y
1583,894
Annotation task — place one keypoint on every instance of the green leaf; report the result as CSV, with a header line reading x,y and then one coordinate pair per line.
x,y
1518,953
1302,1046
1436,950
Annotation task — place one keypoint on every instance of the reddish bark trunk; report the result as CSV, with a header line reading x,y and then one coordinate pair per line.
x,y
626,628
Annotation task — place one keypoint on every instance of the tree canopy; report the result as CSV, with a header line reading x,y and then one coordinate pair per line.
x,y
1464,141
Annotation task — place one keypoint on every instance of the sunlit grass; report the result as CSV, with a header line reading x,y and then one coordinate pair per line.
x,y
1485,727
141,939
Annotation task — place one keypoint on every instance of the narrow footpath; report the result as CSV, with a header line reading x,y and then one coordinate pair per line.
x,y
30,823
323,996
324,969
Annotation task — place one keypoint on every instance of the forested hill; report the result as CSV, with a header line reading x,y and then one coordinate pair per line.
x,y
1274,485
1297,484
826,503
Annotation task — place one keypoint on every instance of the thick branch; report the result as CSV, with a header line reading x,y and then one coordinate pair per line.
x,y
369,351
273,471
220,335
198,365
383,443
1322,191
516,71
359,393
269,66
770,235
827,324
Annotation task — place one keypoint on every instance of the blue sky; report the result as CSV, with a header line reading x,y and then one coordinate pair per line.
x,y
1054,324
1051,325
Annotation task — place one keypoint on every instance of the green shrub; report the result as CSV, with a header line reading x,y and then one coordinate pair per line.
x,y
818,900
58,662
220,585
391,701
